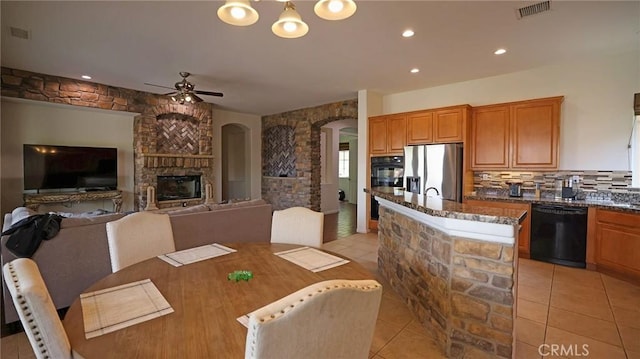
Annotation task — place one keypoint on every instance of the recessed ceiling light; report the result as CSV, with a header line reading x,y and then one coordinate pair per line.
x,y
86,77
415,70
408,33
500,51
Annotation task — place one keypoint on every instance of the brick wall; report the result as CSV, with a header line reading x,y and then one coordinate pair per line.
x,y
303,189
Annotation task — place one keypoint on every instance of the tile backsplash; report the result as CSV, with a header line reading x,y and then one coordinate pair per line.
x,y
604,185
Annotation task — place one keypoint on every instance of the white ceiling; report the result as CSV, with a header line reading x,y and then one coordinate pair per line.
x,y
126,44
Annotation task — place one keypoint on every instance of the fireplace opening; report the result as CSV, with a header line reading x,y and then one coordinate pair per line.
x,y
178,187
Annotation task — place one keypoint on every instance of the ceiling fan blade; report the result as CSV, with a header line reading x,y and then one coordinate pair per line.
x,y
209,93
165,87
170,93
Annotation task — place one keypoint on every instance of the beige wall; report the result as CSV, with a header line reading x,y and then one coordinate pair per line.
x,y
253,124
24,121
597,112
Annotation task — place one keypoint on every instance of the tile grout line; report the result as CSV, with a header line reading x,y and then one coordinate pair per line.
x,y
613,314
578,313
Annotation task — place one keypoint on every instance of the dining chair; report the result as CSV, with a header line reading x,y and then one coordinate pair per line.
x,y
330,319
36,310
137,237
297,225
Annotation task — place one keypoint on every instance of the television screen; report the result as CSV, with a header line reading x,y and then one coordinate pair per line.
x,y
61,167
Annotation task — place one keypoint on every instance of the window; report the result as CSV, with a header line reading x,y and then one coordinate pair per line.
x,y
343,160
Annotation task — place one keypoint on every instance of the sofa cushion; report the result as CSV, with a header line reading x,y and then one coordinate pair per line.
x,y
85,221
253,202
185,210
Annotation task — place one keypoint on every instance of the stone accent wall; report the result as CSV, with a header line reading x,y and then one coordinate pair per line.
x,y
304,188
158,150
461,289
55,89
172,140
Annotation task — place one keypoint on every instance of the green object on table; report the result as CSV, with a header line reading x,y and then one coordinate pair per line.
x,y
240,275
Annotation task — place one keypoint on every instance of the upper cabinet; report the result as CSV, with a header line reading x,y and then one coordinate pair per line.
x,y
490,137
518,135
387,134
448,124
378,135
396,133
419,127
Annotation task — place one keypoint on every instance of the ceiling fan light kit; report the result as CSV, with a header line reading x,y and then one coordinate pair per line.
x,y
185,91
290,24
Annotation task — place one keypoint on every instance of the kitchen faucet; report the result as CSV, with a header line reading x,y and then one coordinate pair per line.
x,y
426,191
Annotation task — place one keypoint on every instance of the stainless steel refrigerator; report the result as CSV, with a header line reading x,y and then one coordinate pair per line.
x,y
434,167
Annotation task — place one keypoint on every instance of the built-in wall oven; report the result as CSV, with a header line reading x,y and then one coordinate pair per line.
x,y
386,171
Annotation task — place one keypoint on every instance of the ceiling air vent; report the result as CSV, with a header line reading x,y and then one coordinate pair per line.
x,y
19,33
533,9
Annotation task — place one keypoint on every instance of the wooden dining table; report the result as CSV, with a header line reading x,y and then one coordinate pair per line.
x,y
206,303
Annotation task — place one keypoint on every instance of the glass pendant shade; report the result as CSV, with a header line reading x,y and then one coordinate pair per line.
x,y
238,12
290,24
335,9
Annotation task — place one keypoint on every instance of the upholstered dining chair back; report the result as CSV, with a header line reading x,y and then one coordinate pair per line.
x,y
137,237
297,225
36,310
330,319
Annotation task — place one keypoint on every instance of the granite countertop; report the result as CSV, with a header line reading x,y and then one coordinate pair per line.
x,y
604,204
437,207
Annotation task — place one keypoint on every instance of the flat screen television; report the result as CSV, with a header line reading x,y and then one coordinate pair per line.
x,y
70,167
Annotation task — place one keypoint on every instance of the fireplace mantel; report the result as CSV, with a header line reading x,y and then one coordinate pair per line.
x,y
176,155
176,160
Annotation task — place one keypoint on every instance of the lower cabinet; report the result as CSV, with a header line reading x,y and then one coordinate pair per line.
x,y
525,226
615,242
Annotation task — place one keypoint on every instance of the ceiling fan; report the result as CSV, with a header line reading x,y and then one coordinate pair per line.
x,y
185,91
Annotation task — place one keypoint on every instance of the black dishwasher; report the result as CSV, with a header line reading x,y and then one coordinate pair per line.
x,y
559,234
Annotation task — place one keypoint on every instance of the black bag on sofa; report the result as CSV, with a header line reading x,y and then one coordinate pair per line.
x,y
27,234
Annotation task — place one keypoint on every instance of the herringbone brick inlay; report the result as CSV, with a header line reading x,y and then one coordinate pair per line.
x,y
279,149
177,136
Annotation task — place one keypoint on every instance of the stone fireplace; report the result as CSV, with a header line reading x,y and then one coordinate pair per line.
x,y
173,154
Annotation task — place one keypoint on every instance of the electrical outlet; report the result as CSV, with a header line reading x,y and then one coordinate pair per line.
x,y
486,176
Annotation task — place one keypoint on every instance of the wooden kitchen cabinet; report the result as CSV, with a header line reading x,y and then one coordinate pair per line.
x,y
378,135
525,226
444,125
448,125
517,135
616,246
420,128
387,134
396,134
535,128
490,137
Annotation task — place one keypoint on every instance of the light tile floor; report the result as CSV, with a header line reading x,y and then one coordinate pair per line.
x,y
556,305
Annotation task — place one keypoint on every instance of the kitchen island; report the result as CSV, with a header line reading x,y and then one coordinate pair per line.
x,y
456,268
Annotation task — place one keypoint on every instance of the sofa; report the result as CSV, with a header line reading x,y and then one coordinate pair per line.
x,y
78,255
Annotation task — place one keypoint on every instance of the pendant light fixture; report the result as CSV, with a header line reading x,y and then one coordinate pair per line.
x,y
238,12
335,9
290,24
